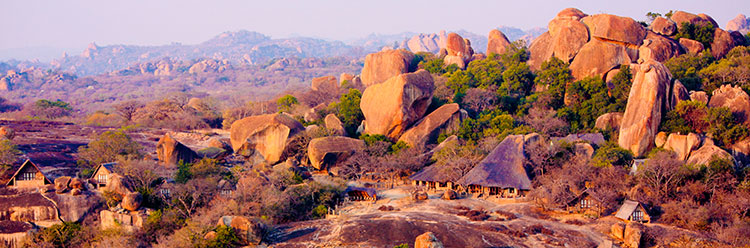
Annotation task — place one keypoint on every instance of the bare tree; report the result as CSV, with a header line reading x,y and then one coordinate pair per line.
x,y
455,160
126,109
662,173
188,197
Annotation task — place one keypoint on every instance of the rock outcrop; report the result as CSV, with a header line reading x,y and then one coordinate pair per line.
x,y
431,43
459,50
61,184
326,152
383,65
541,50
209,66
128,221
598,57
446,118
132,201
264,135
427,240
328,83
733,98
679,94
682,144
497,42
643,113
609,121
170,151
658,48
680,17
663,26
633,233
7,133
117,184
740,23
706,153
661,139
391,107
334,125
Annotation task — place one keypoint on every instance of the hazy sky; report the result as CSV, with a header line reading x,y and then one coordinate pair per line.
x,y
75,23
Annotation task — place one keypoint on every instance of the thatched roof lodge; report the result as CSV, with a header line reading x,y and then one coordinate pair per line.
x,y
433,178
633,211
101,174
501,172
361,194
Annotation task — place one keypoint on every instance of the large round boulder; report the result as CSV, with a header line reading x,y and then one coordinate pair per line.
x,y
679,94
170,151
326,152
615,28
691,46
391,107
132,201
446,118
733,98
118,184
570,14
663,26
682,144
643,112
61,184
427,240
598,57
609,121
700,96
680,17
334,125
497,42
706,153
264,135
459,51
383,65
568,36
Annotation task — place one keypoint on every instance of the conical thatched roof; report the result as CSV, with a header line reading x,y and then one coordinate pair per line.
x,y
503,167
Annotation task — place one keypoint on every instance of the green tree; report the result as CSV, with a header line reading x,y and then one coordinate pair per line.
x,y
8,155
225,237
50,109
348,110
553,77
589,98
60,235
687,66
107,147
652,15
517,80
701,33
286,102
486,72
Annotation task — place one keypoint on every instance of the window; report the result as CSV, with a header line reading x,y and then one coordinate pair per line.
x,y
27,176
164,192
102,178
637,215
511,190
226,192
585,203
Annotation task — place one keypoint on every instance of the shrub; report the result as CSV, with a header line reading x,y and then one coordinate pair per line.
x,y
107,147
486,72
50,110
225,237
611,154
59,235
434,66
590,99
686,67
554,76
8,152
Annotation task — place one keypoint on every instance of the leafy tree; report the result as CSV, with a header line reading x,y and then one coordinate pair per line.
x,y
225,237
701,33
687,117
348,110
734,68
686,68
486,72
589,99
652,15
492,123
459,81
107,147
517,80
285,103
50,109
515,53
126,109
60,235
726,128
8,155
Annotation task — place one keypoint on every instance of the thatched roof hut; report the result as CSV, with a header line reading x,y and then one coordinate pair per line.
x,y
502,168
632,211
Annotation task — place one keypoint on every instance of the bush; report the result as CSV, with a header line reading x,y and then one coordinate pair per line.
x,y
285,103
8,152
225,237
348,111
590,99
686,68
60,235
554,76
611,154
434,66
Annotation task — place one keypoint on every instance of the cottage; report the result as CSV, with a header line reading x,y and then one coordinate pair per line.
x,y
637,163
361,194
226,188
433,179
633,211
28,175
102,174
501,173
584,203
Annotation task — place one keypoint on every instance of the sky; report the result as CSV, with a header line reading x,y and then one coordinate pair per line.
x,y
55,25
